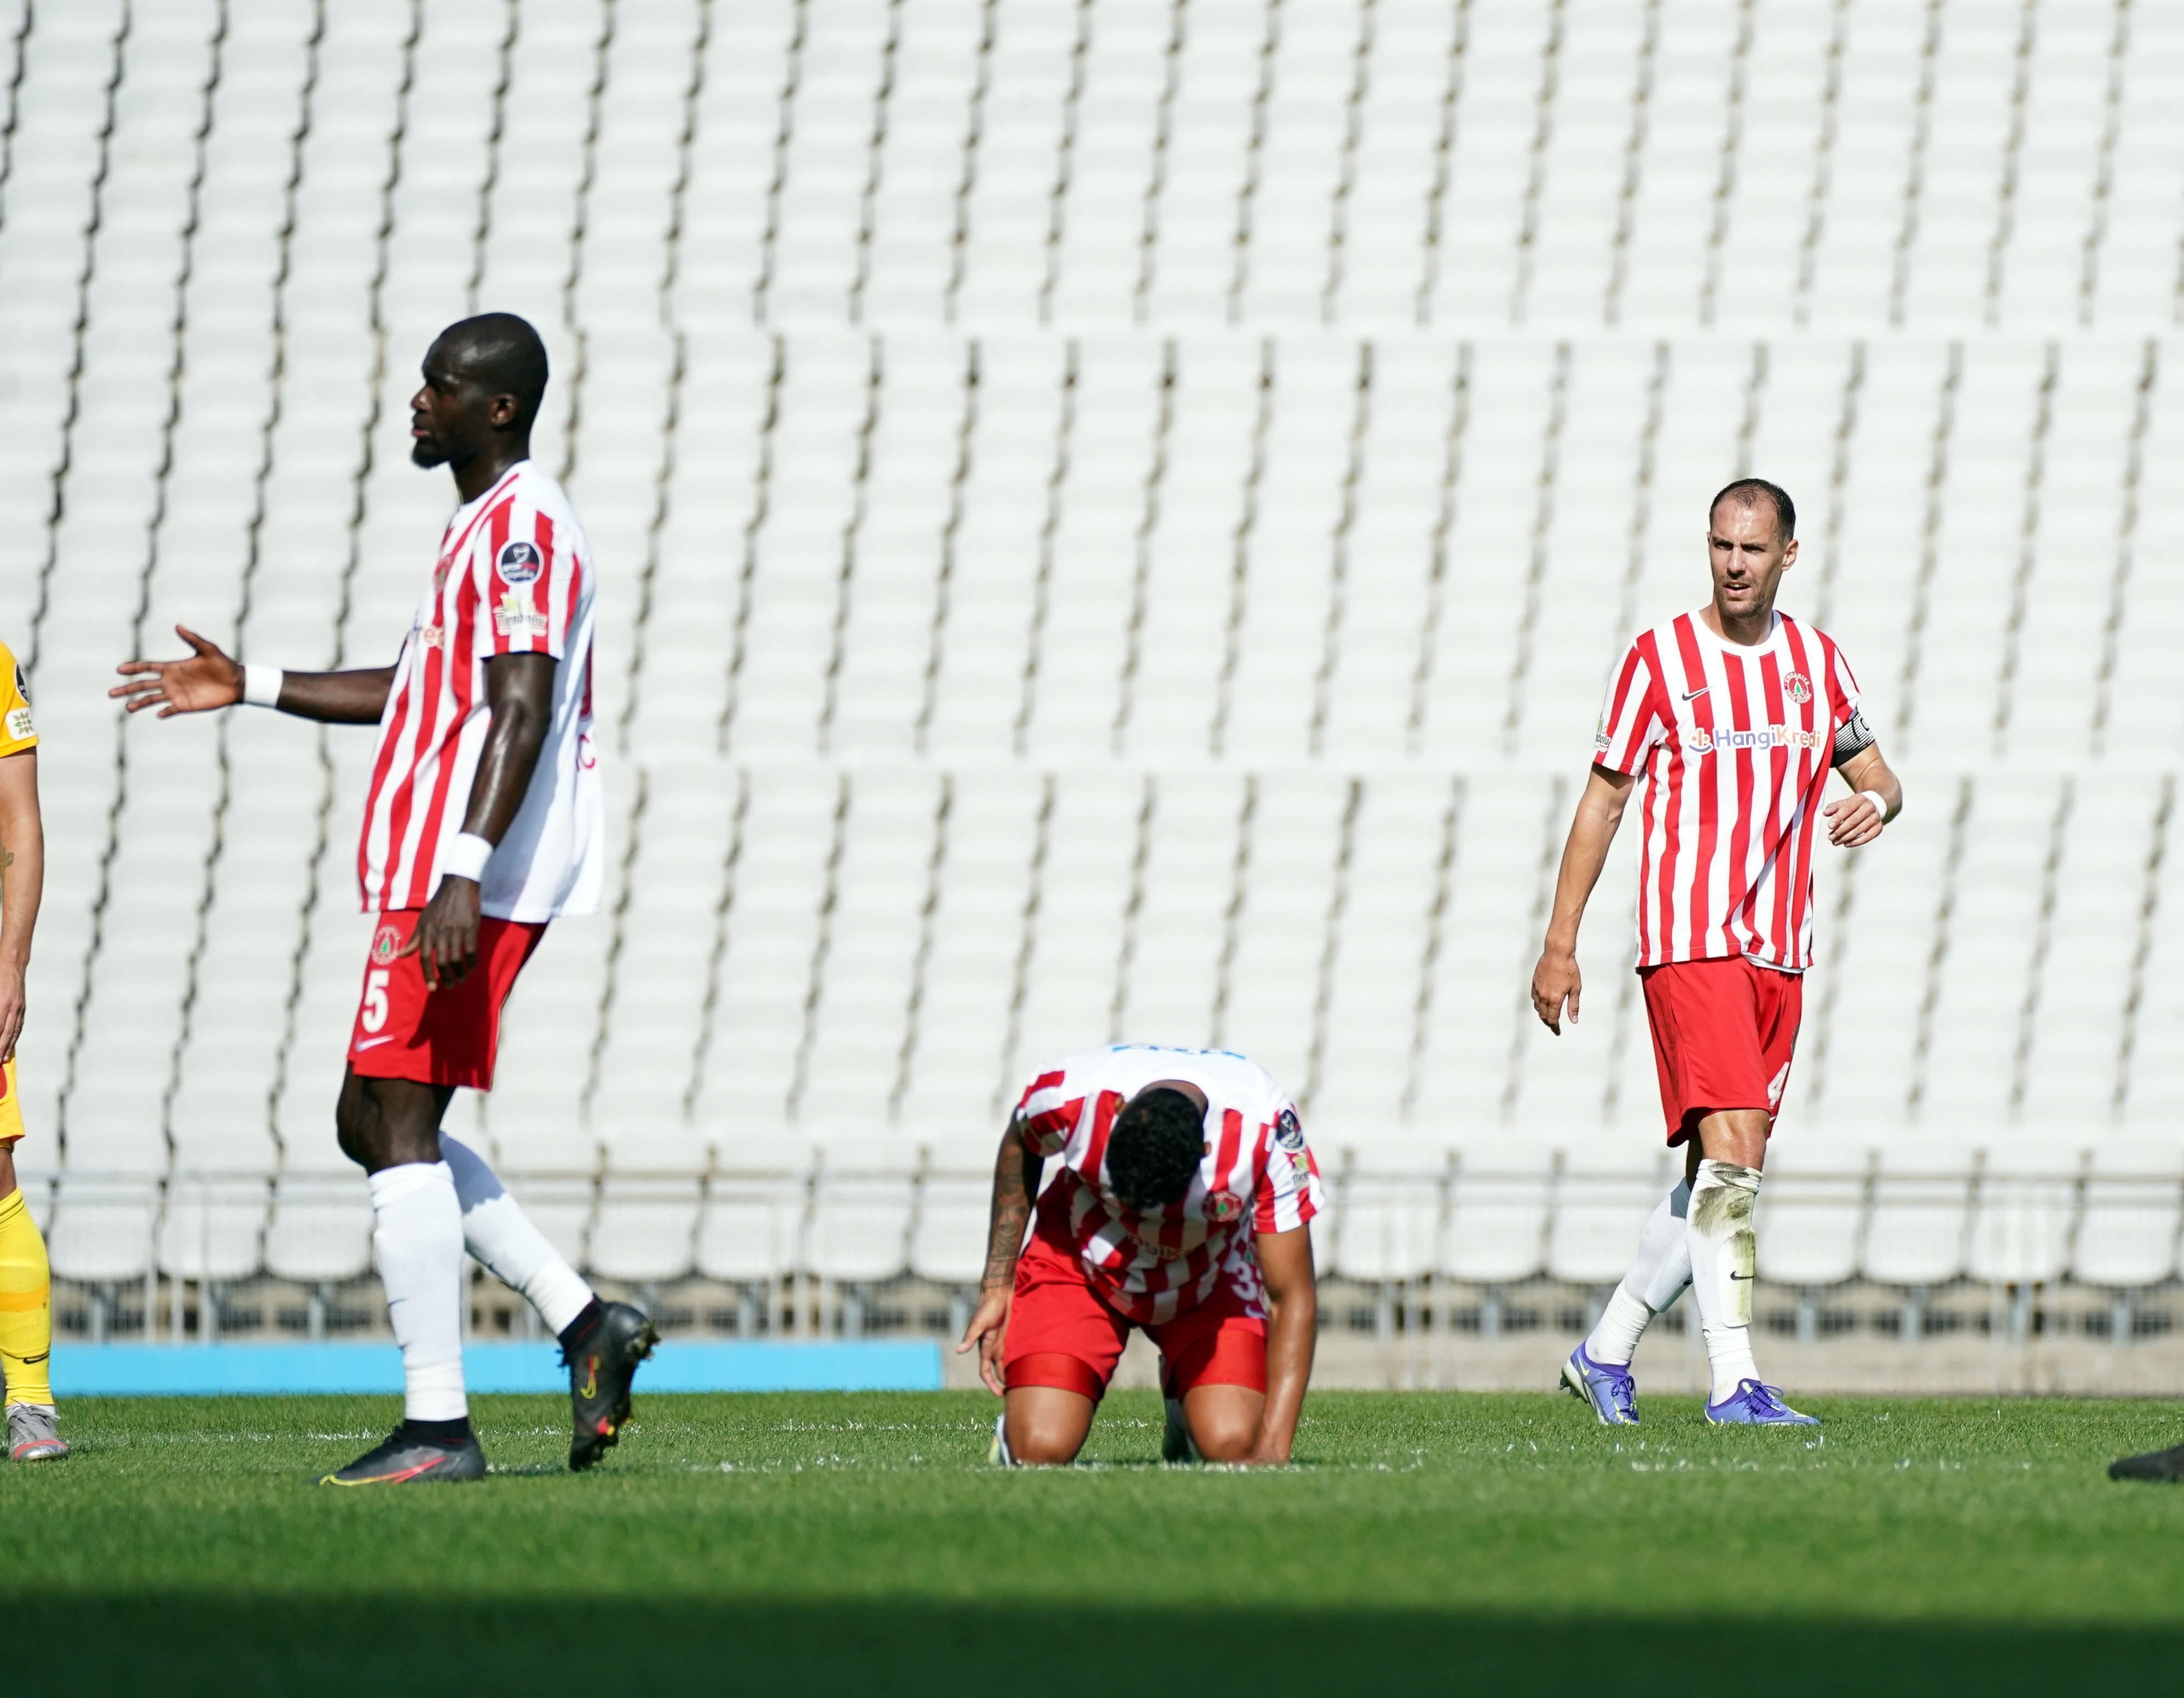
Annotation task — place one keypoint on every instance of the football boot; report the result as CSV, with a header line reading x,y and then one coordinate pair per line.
x,y
601,1366
1754,1405
402,1458
1607,1386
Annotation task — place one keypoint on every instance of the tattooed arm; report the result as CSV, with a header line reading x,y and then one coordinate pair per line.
x,y
1015,1186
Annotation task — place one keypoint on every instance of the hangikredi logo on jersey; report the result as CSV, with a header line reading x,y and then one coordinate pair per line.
x,y
1702,740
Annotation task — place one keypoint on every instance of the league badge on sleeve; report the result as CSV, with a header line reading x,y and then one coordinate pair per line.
x,y
518,563
1289,1131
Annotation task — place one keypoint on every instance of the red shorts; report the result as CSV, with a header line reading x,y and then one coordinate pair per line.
x,y
1063,1333
1724,1032
443,1037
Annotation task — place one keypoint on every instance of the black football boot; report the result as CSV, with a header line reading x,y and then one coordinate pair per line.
x,y
405,1458
602,1364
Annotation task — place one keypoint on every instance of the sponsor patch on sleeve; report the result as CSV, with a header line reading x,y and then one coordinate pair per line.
x,y
517,617
518,563
19,724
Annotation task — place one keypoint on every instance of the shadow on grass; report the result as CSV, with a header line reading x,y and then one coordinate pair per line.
x,y
179,1644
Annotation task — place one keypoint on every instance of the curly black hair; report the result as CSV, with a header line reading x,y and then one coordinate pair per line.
x,y
1155,1147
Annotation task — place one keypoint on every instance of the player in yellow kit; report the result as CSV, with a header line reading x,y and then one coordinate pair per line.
x,y
26,1299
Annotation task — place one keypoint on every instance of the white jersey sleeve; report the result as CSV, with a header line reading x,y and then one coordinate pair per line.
x,y
1631,721
1289,1192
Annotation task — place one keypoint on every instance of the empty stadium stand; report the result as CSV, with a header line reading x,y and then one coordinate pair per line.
x,y
1117,515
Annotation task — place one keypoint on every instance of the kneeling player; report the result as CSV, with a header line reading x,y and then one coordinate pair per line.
x,y
1180,1207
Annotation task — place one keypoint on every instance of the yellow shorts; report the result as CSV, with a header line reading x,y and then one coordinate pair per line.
x,y
11,1109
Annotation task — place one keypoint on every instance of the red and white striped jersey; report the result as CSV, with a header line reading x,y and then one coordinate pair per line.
x,y
1735,745
1257,1177
514,577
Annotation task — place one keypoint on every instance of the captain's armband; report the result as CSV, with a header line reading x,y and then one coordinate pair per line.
x,y
1852,736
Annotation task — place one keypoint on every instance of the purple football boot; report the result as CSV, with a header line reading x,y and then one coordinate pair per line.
x,y
1607,1386
1754,1405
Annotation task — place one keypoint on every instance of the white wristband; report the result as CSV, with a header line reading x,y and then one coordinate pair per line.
x,y
1880,803
261,686
466,857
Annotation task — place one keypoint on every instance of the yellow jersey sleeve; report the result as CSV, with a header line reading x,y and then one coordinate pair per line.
x,y
17,731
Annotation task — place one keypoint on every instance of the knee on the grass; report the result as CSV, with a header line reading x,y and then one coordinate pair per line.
x,y
1224,1434
1044,1443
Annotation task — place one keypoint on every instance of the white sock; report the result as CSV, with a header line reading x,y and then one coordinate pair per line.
x,y
417,1229
500,1235
1657,1277
1723,1262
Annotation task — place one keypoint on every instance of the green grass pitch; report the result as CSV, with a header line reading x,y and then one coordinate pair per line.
x,y
858,1543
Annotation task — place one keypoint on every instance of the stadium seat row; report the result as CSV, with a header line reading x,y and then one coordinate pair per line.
x,y
890,952
1916,1215
1466,164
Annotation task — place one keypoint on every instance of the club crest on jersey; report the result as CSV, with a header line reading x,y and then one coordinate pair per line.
x,y
517,617
1289,1131
385,944
1798,688
1222,1205
517,563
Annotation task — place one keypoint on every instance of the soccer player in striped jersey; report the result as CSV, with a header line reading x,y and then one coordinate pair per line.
x,y
1181,1206
483,823
1734,715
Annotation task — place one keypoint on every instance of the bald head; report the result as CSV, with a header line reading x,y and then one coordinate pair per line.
x,y
502,355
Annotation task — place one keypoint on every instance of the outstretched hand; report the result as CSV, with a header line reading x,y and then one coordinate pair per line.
x,y
210,678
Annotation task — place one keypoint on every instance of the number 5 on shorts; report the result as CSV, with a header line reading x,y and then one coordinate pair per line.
x,y
374,998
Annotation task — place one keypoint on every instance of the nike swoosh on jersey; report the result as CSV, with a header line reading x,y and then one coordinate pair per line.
x,y
1693,695
372,1042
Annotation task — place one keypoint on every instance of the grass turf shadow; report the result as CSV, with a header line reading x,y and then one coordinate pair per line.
x,y
182,1643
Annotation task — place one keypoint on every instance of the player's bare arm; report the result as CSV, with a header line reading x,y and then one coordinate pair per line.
x,y
22,883
519,690
1877,797
1292,1328
1016,1184
1556,980
210,678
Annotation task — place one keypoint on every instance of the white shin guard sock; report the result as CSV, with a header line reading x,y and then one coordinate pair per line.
x,y
1657,1277
417,1229
1723,1263
500,1235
